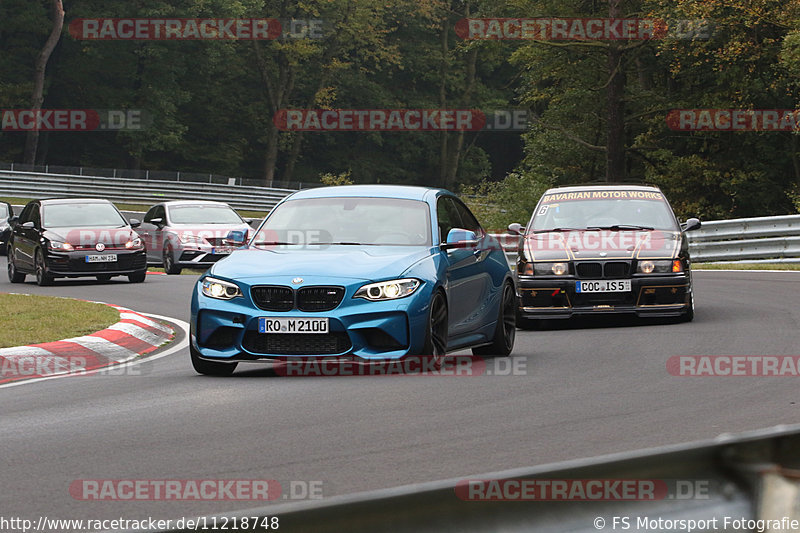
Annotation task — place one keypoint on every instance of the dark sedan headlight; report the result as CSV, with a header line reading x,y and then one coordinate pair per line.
x,y
388,290
660,267
560,268
220,289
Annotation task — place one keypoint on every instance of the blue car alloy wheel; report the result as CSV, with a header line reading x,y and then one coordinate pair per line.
x,y
356,273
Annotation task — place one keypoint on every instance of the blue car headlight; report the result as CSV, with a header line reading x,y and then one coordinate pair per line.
x,y
220,289
388,290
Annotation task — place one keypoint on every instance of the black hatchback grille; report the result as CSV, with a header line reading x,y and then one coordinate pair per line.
x,y
589,270
319,298
296,344
273,297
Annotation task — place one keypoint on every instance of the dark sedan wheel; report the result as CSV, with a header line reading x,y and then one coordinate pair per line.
x,y
169,262
506,330
43,278
210,368
14,276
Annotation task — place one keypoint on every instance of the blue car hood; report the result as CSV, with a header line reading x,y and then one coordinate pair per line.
x,y
355,262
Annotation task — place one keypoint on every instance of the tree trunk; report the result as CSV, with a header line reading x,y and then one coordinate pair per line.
x,y
615,146
443,147
32,138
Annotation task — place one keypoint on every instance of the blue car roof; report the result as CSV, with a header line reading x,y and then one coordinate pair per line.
x,y
407,192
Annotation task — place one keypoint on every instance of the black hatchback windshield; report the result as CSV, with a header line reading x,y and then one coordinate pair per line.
x,y
81,215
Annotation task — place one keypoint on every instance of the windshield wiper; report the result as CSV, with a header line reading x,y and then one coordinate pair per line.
x,y
619,227
556,229
342,243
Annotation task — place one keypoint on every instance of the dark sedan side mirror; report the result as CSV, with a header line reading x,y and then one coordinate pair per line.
x,y
235,238
691,224
516,228
460,238
135,222
13,219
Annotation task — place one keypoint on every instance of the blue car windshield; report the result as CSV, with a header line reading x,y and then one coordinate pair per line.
x,y
348,221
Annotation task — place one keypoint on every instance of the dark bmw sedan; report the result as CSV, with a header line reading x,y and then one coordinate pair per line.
x,y
71,238
6,220
599,249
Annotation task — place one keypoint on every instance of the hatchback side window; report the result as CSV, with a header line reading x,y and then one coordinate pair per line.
x,y
25,216
150,214
35,218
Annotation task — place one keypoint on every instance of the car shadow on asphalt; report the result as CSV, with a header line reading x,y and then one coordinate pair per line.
x,y
608,321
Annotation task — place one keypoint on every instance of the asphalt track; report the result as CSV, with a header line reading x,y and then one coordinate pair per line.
x,y
586,390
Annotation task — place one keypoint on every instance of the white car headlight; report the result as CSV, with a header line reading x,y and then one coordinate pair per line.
x,y
220,289
388,290
191,239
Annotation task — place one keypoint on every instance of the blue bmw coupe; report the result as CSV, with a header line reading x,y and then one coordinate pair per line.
x,y
356,272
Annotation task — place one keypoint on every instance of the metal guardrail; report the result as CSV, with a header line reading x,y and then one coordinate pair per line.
x,y
33,185
746,477
157,175
743,240
746,240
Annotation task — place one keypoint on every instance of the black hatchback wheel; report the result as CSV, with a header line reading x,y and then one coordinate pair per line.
x,y
43,278
14,276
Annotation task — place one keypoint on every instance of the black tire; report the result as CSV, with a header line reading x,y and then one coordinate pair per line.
x,y
688,316
14,276
103,277
436,333
169,261
43,278
210,368
137,277
506,330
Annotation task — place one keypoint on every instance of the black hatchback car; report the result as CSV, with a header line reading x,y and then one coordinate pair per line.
x,y
73,238
599,249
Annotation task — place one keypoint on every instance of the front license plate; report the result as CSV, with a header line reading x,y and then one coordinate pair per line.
x,y
110,258
292,325
620,285
221,251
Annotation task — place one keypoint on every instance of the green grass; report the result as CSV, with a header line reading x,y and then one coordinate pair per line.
x,y
35,319
747,266
136,207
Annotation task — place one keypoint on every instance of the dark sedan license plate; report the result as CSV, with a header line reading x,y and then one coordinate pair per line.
x,y
621,285
110,258
292,325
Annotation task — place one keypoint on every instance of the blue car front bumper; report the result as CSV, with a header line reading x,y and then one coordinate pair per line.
x,y
227,330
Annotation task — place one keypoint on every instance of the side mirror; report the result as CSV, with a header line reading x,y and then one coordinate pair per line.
x,y
135,222
13,219
460,238
28,225
236,238
516,228
691,224
157,221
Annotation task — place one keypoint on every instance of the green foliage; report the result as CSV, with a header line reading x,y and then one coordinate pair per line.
x,y
498,204
336,179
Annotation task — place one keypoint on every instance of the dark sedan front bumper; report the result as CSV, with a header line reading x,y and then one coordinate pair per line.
x,y
74,264
666,295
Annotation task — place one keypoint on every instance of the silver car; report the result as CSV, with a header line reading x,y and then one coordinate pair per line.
x,y
189,233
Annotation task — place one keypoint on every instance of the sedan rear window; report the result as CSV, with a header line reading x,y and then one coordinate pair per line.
x,y
81,215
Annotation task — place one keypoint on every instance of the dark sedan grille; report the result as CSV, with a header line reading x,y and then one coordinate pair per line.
x,y
609,269
589,270
296,344
319,298
273,297
615,269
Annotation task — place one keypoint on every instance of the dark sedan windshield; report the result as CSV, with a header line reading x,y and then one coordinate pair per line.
x,y
373,221
203,214
81,215
615,213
